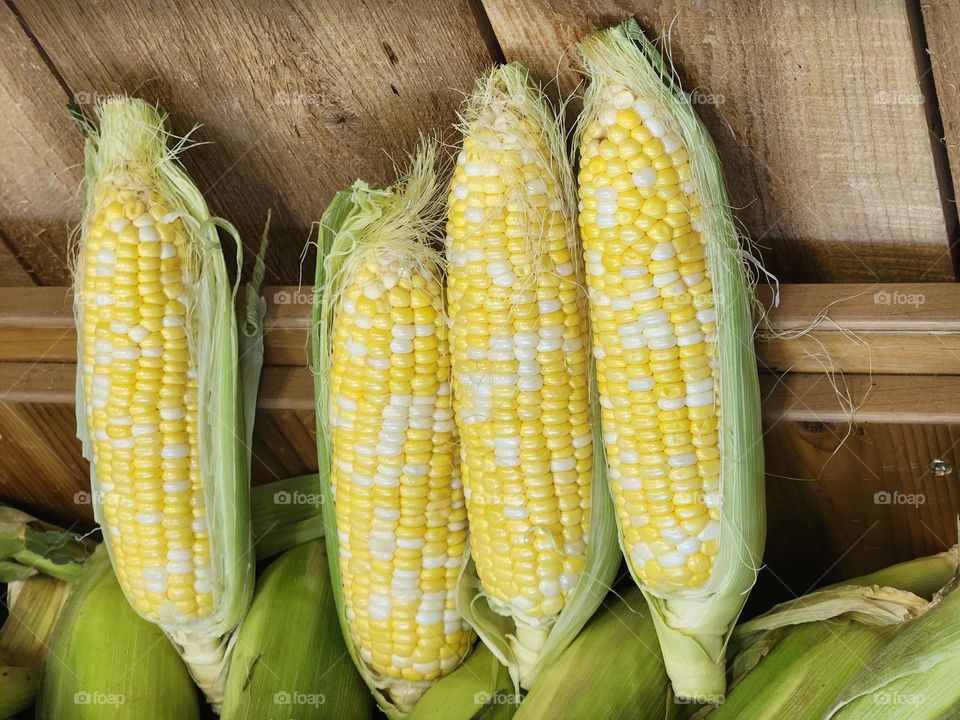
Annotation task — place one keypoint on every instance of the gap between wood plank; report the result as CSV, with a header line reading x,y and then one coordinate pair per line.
x,y
931,106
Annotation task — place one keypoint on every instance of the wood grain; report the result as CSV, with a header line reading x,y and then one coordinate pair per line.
x,y
40,156
897,328
941,18
297,98
816,112
847,501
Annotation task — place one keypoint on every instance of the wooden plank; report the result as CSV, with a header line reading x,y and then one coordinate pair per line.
x,y
41,168
855,328
816,112
893,399
843,502
297,98
941,18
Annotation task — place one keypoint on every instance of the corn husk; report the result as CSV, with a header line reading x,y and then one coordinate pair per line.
x,y
18,689
480,689
526,649
400,220
614,669
794,660
286,513
915,675
289,659
693,626
106,663
29,546
134,137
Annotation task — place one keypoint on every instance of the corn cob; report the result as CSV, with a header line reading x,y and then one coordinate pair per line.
x,y
670,309
108,662
159,404
294,668
394,509
540,533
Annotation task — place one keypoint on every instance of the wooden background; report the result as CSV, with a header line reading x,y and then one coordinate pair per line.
x,y
838,123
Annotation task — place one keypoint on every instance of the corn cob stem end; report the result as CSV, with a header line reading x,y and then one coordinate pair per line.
x,y
207,660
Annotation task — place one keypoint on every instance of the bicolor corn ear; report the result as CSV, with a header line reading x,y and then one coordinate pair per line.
x,y
542,535
670,306
160,407
394,510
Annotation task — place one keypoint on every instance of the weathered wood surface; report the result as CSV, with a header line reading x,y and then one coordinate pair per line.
x,y
910,329
296,99
816,111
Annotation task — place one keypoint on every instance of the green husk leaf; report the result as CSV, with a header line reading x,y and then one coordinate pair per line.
x,y
613,669
480,689
29,546
801,674
525,649
18,689
105,661
289,659
922,576
906,676
694,626
358,223
34,606
286,513
133,138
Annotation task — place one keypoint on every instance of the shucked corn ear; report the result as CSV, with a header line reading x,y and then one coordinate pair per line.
x,y
541,532
670,307
394,510
106,662
159,406
288,657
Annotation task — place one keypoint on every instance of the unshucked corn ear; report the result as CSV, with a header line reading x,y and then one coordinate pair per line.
x,y
480,689
541,529
107,662
33,607
613,670
393,501
793,660
289,659
915,675
672,338
159,403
